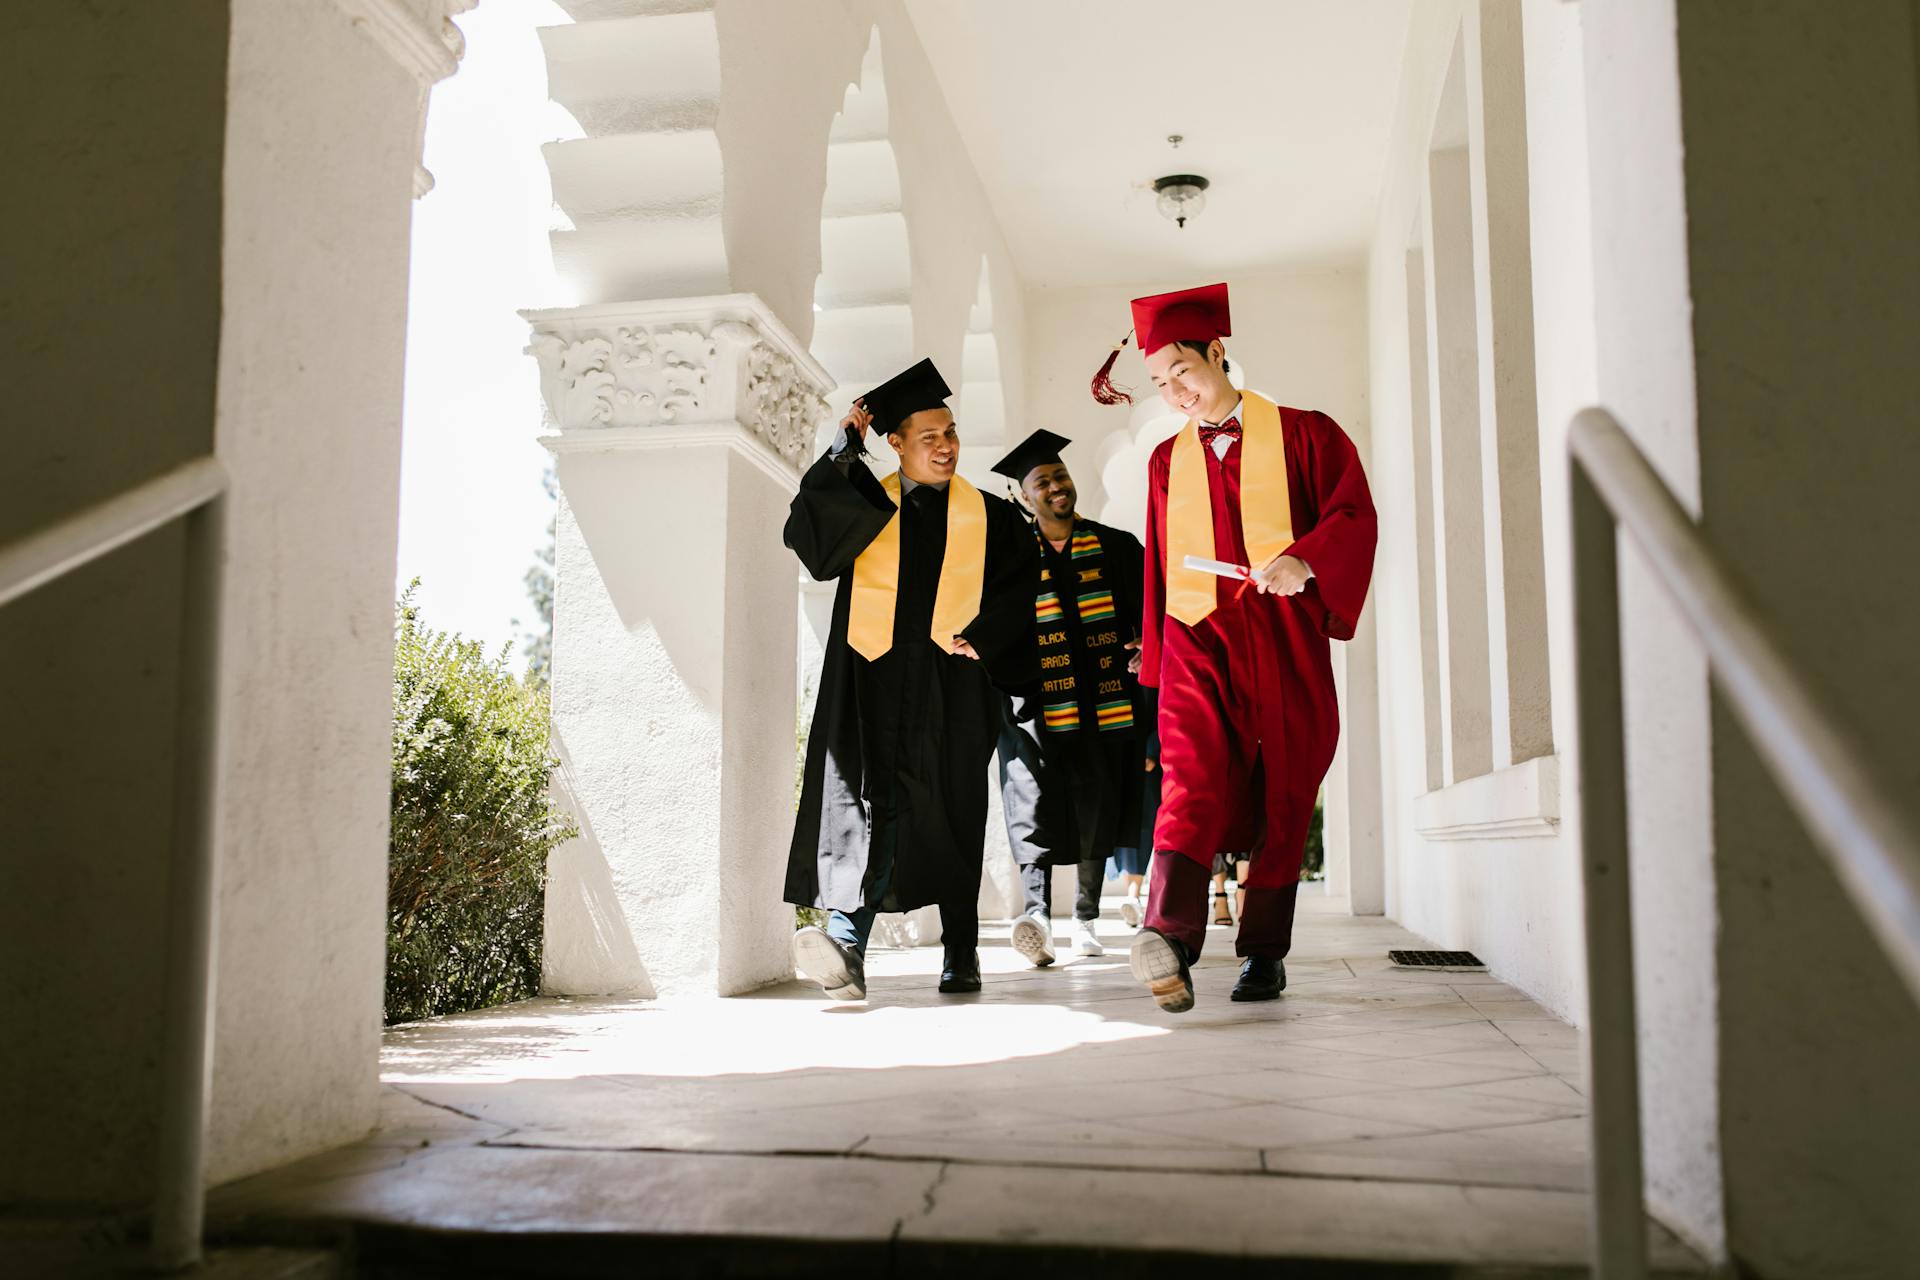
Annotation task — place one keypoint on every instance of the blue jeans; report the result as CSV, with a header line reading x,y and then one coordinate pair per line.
x,y
959,922
851,929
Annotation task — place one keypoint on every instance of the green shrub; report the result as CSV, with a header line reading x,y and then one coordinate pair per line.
x,y
472,826
1314,865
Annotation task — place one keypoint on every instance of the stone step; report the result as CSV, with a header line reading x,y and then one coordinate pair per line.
x,y
862,178
660,174
981,409
401,1254
593,10
613,261
862,345
864,260
505,1211
636,74
980,358
863,113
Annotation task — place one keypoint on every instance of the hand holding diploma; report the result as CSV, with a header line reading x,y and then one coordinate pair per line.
x,y
1284,575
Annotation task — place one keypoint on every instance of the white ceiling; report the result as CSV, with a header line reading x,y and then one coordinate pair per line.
x,y
1065,107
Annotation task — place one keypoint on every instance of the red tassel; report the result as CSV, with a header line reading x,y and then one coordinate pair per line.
x,y
1103,389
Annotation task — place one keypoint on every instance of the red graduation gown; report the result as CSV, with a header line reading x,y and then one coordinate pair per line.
x,y
1248,717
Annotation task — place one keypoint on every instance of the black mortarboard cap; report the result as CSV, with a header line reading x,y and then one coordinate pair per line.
x,y
1041,446
920,387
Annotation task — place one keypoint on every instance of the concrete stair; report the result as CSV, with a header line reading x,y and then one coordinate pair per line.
x,y
643,187
863,321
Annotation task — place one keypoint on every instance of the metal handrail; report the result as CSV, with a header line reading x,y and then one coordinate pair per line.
x,y
196,491
1869,841
87,535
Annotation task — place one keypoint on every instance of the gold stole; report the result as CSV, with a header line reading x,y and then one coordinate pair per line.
x,y
1266,521
963,569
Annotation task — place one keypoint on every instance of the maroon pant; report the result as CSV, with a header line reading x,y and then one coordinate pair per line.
x,y
1177,907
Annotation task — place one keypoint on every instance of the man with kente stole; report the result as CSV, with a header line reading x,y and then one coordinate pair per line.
x,y
1259,550
1070,750
934,609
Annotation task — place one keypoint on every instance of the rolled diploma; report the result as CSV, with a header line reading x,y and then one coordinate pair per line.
x,y
1219,568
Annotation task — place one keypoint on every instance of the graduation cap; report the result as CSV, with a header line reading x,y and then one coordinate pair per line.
x,y
1185,315
1042,446
920,387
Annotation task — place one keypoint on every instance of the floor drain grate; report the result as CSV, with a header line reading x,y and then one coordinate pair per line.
x,y
1436,959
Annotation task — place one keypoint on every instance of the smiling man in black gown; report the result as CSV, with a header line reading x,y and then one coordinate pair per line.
x,y
934,609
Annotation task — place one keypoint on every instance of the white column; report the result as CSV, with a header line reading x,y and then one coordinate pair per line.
x,y
1521,716
1460,569
1358,805
1426,528
682,426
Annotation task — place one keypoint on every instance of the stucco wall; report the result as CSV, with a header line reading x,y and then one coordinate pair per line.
x,y
1515,902
319,173
1560,229
1645,375
1802,199
204,193
113,324
1610,313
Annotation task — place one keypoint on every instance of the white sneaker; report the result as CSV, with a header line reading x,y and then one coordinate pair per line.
x,y
1130,912
1032,937
1085,941
840,973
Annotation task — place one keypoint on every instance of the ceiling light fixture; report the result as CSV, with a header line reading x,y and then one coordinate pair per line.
x,y
1181,196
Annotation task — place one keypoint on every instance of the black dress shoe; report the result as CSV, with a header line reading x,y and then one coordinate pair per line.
x,y
1161,962
960,975
1260,979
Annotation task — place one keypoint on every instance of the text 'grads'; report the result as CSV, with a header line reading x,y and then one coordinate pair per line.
x,y
934,609
1260,539
1071,756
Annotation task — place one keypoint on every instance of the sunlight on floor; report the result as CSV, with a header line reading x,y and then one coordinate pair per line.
x,y
563,1040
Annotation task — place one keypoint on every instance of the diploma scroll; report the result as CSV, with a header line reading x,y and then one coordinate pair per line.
x,y
1226,569
1220,568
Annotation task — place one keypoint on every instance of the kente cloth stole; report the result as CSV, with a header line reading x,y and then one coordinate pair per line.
x,y
1104,648
1266,521
963,569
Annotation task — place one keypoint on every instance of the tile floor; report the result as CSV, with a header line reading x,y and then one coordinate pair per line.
x,y
1370,1113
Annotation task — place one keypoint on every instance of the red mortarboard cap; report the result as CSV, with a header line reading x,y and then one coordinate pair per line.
x,y
1185,315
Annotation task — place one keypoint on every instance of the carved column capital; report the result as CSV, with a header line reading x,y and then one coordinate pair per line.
x,y
420,36
677,371
417,34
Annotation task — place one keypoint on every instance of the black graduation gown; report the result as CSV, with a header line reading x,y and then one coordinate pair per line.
x,y
897,755
1074,797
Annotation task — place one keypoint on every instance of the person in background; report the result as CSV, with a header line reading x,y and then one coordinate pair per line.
x,y
1070,745
1130,861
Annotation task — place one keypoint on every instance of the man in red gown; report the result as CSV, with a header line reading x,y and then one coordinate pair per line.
x,y
1248,716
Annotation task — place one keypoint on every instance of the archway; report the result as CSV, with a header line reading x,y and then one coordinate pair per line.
x,y
863,317
981,406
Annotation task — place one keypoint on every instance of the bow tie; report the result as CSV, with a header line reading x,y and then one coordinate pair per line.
x,y
1230,429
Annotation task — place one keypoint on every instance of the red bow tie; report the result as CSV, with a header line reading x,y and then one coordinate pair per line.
x,y
1230,429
